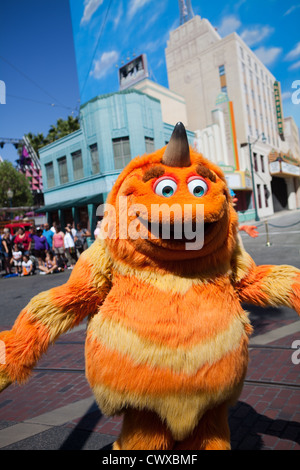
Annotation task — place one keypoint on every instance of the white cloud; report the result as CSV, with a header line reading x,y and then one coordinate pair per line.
x,y
118,16
229,24
135,6
290,10
294,53
286,95
268,55
90,7
295,66
104,64
256,35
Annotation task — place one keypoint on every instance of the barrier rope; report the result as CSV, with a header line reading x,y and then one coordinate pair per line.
x,y
275,226
284,226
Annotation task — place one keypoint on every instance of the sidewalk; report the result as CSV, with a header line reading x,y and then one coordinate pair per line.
x,y
56,409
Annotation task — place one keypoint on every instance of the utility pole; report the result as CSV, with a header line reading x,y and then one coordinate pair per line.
x,y
186,11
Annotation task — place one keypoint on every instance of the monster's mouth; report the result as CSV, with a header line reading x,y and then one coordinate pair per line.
x,y
178,233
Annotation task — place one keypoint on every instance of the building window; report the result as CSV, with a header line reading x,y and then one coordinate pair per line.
x,y
242,52
121,149
63,170
249,61
50,175
77,165
245,87
149,143
255,161
95,159
255,66
222,70
262,163
259,196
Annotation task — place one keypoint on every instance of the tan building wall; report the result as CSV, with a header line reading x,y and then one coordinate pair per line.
x,y
292,136
173,105
200,63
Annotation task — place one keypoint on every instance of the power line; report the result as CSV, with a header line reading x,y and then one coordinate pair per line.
x,y
96,47
30,80
41,102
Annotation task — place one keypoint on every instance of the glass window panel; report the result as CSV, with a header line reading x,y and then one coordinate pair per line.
x,y
77,165
63,170
95,159
50,175
122,154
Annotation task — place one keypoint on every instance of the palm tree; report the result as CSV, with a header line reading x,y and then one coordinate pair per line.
x,y
62,128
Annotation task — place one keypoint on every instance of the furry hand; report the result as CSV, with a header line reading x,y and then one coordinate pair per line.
x,y
4,381
250,230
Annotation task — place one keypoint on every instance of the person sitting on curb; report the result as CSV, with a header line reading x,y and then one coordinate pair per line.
x,y
27,266
49,266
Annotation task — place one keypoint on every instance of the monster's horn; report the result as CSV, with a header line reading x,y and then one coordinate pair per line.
x,y
177,152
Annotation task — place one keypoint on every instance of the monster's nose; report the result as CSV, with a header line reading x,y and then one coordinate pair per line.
x,y
177,152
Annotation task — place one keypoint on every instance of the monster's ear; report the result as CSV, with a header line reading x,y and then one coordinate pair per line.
x,y
177,152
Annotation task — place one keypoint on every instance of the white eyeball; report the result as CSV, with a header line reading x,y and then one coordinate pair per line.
x,y
197,186
165,187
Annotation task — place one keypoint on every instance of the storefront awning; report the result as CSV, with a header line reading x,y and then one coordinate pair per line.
x,y
83,201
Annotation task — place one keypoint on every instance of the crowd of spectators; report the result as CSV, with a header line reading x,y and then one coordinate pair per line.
x,y
43,249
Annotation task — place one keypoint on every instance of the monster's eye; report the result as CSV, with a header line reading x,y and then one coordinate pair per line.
x,y
197,186
165,186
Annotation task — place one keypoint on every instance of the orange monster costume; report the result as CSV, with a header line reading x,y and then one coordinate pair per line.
x,y
167,337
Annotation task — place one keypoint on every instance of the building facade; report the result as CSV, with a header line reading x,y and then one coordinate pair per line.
x,y
80,169
202,66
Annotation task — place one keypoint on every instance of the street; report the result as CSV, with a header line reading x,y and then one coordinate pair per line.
x,y
284,249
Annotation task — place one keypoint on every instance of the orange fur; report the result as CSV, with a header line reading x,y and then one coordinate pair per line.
x,y
167,337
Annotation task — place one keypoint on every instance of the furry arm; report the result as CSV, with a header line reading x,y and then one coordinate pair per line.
x,y
266,285
53,312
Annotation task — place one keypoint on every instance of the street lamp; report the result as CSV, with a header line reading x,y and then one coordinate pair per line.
x,y
10,195
263,138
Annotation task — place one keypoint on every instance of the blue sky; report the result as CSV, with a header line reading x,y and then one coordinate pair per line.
x,y
39,66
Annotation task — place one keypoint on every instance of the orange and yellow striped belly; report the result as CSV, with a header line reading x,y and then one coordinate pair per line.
x,y
177,353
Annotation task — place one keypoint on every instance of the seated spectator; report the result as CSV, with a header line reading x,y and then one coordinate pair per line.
x,y
49,266
48,234
27,266
17,257
23,239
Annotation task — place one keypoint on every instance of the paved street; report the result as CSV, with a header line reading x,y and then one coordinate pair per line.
x,y
56,409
